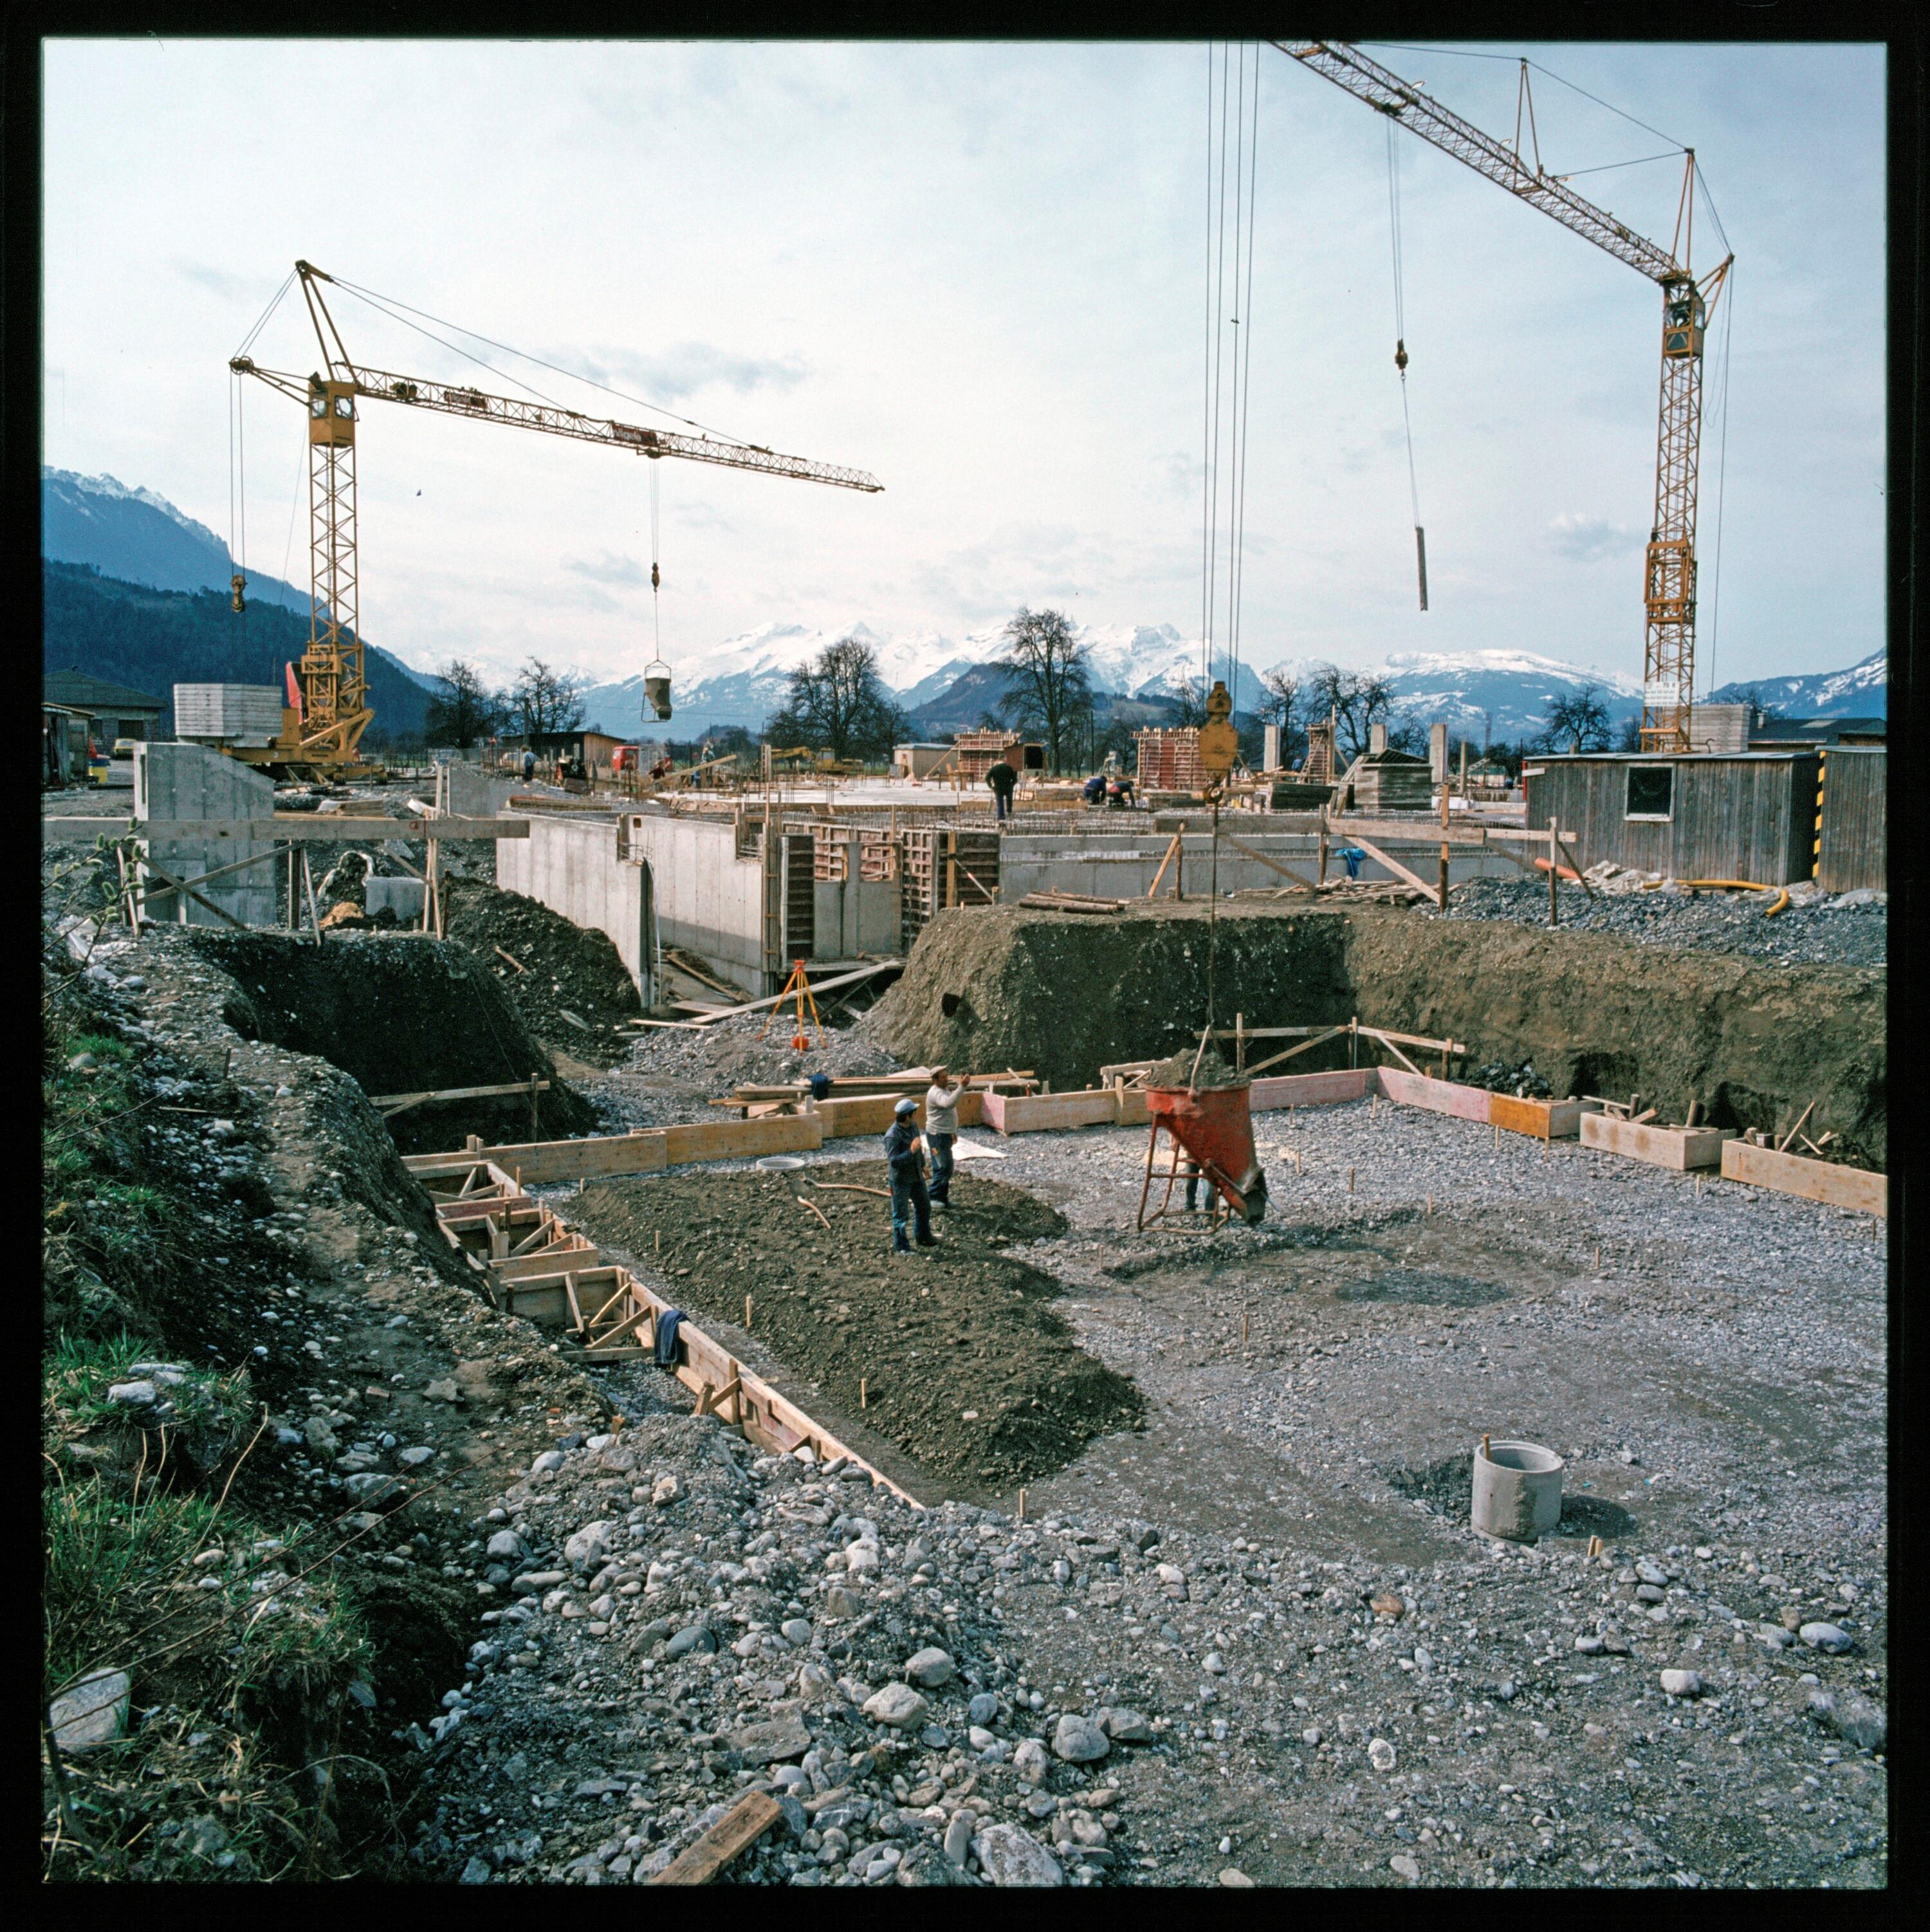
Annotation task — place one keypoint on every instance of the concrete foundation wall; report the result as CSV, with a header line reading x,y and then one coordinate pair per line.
x,y
178,781
571,867
1122,865
857,916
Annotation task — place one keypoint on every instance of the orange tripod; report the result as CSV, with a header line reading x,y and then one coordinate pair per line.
x,y
801,986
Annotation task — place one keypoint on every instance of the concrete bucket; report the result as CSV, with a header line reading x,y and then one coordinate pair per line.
x,y
1215,1127
656,688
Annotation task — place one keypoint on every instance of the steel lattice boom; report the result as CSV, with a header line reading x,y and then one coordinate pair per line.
x,y
334,707
1668,676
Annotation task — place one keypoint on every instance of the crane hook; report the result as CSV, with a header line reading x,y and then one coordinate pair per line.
x,y
655,580
1400,357
238,584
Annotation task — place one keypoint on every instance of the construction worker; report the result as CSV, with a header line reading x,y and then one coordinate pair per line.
x,y
1119,793
529,765
1003,780
942,1129
1095,789
904,1155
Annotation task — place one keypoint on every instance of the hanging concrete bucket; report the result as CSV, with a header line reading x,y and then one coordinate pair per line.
x,y
1518,1490
656,687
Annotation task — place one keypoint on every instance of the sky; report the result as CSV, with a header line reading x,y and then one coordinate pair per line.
x,y
980,271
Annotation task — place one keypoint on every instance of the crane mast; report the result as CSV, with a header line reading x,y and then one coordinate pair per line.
x,y
334,710
1668,672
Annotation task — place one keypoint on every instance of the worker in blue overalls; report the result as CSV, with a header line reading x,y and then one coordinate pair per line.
x,y
905,1155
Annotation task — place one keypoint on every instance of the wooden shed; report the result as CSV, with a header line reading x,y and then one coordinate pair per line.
x,y
1852,852
1744,815
1386,781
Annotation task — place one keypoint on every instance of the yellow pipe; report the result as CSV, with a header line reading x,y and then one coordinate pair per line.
x,y
1782,900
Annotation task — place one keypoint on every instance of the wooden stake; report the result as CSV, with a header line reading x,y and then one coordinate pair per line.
x,y
1022,1505
747,1312
861,1392
1430,1204
1350,1180
1554,880
1483,1444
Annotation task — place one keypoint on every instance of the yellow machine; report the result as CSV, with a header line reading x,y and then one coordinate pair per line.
x,y
329,708
1668,675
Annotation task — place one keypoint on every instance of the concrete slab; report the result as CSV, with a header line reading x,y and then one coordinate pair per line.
x,y
194,781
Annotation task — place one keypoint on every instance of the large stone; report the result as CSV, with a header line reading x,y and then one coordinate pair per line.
x,y
1030,1762
1010,1856
132,1395
692,1636
1079,1740
504,1547
547,1463
1125,1727
958,1838
371,1486
1853,1716
1682,1683
1831,1638
781,1736
589,1544
897,1704
94,1712
319,1436
837,1606
930,1667
982,1709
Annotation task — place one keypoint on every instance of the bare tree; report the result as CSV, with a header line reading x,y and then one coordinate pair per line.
x,y
1050,687
1357,701
463,710
838,703
547,702
1576,721
1282,702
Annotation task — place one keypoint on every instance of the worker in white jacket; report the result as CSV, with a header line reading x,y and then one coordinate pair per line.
x,y
942,1129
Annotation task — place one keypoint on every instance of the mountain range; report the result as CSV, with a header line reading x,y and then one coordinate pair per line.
x,y
945,682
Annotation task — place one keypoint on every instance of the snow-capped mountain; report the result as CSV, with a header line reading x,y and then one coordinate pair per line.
x,y
1861,691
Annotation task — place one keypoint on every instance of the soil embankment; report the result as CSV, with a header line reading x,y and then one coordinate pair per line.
x,y
401,1015
967,1366
1755,1044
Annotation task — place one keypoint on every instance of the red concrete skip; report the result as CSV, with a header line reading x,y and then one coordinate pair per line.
x,y
1216,1127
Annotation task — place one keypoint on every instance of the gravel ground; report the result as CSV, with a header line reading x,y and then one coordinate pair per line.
x,y
671,1076
1849,929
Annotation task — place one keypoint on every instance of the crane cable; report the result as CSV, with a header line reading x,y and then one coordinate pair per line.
x,y
1400,358
656,625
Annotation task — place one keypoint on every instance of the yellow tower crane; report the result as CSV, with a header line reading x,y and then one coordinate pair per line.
x,y
1668,668
329,709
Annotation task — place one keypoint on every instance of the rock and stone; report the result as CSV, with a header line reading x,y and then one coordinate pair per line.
x,y
1231,1875
692,1636
1010,1855
982,1709
1855,1718
796,1631
930,1667
94,1713
1030,1762
1125,1726
1682,1683
1831,1638
958,1838
132,1395
589,1544
897,1704
1381,1754
1405,1867
504,1547
547,1463
1078,1740
781,1736
414,1459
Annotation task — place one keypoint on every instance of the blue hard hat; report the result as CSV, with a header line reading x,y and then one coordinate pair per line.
x,y
907,1106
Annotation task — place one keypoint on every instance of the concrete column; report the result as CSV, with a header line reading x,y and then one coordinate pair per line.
x,y
1270,756
1377,738
1437,753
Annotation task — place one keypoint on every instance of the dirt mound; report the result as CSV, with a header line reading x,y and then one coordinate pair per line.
x,y
573,988
967,1366
1200,1071
403,1015
1594,1013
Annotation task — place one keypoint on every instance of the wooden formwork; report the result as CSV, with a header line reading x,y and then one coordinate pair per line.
x,y
612,1314
940,867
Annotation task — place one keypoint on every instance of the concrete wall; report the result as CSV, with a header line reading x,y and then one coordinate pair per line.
x,y
857,916
571,865
178,781
1123,866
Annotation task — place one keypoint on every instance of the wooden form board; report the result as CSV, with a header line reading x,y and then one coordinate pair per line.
x,y
872,1113
1682,1148
724,1387
1853,1187
1311,1090
1437,1096
1047,1113
731,1140
1543,1120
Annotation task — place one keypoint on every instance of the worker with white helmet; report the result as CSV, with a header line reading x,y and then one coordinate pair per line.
x,y
904,1155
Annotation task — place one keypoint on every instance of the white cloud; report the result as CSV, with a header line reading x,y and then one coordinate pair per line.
x,y
1582,539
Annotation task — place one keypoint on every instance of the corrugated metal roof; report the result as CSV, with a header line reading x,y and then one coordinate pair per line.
x,y
76,687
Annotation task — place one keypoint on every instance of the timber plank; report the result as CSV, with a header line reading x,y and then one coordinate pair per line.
x,y
734,1833
1047,1113
1681,1148
1542,1120
1311,1090
1437,1096
728,1140
1834,1186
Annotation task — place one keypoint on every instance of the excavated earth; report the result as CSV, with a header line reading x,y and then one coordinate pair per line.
x,y
1067,994
967,1368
